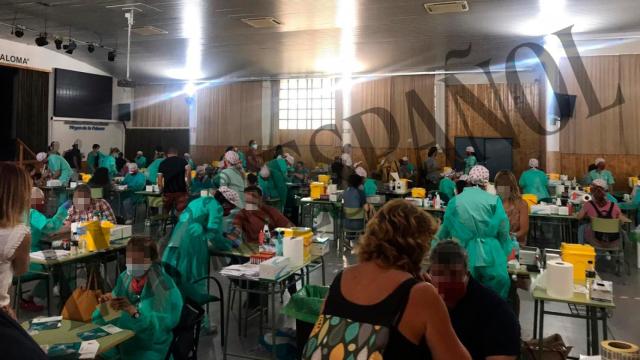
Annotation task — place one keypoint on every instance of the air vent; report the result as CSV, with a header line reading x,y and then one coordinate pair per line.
x,y
262,22
148,30
446,7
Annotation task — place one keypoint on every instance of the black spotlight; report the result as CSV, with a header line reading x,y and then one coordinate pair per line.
x,y
18,32
111,56
70,47
91,48
58,43
41,40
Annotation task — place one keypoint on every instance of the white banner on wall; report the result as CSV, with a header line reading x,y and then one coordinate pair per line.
x,y
105,133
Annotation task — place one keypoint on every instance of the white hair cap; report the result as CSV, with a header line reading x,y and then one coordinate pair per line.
x,y
41,156
470,149
598,161
534,163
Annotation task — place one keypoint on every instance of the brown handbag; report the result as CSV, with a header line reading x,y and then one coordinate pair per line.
x,y
83,301
553,348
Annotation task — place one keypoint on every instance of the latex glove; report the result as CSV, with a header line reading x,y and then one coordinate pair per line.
x,y
67,204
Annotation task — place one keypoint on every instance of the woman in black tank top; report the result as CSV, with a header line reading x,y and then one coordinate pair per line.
x,y
378,309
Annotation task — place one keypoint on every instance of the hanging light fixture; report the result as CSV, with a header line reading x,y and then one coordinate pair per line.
x,y
41,40
58,42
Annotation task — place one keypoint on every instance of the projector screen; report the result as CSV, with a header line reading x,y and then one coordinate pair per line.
x,y
82,95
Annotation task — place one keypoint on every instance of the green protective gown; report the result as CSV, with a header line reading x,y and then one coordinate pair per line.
x,y
152,171
268,191
469,162
141,161
192,164
135,182
160,307
109,162
636,202
370,187
534,181
91,160
199,226
233,179
604,175
198,185
278,178
612,198
40,225
478,221
447,187
58,163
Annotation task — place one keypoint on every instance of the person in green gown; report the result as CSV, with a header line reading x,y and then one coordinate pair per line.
x,y
58,167
447,186
534,181
202,181
602,173
477,220
199,227
232,175
265,184
135,181
109,163
470,161
192,163
93,158
278,178
369,186
141,160
152,170
149,302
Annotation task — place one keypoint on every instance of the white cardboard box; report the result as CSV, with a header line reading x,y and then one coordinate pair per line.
x,y
274,268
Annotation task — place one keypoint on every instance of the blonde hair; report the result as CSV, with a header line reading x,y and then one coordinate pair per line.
x,y
507,178
15,194
398,236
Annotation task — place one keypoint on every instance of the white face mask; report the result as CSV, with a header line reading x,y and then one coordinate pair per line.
x,y
254,146
137,270
250,207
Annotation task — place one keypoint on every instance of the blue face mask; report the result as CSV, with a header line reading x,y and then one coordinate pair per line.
x,y
137,270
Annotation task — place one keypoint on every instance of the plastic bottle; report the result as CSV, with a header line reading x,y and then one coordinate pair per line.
x,y
559,201
279,247
267,234
589,274
437,202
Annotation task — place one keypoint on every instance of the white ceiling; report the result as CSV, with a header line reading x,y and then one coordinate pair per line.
x,y
317,36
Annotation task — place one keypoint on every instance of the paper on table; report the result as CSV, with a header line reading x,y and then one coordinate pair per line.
x,y
88,349
46,319
111,329
248,270
49,254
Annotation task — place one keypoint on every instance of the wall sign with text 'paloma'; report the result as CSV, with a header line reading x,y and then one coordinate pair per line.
x,y
13,59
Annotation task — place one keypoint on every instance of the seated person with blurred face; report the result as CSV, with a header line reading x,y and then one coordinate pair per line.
x,y
250,221
85,207
599,207
300,173
484,322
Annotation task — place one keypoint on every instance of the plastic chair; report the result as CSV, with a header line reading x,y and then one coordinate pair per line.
x,y
30,276
186,335
610,226
350,234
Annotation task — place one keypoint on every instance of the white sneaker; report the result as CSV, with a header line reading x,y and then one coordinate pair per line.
x,y
56,290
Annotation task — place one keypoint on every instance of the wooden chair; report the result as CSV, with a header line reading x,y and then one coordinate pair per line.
x,y
350,234
610,226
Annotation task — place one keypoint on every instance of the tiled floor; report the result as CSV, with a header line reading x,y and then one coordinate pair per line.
x,y
624,322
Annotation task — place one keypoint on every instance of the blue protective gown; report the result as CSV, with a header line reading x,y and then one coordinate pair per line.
x,y
534,181
152,171
199,226
478,221
160,307
57,163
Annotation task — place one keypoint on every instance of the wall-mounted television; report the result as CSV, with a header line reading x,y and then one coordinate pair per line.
x,y
82,95
565,106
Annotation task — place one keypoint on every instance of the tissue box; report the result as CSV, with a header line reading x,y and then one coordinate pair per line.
x,y
53,183
601,291
274,268
320,246
416,201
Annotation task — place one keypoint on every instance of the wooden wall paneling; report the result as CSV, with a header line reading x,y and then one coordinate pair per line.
x,y
155,107
489,121
600,133
630,110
